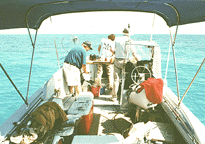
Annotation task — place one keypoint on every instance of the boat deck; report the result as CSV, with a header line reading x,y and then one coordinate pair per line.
x,y
109,120
104,100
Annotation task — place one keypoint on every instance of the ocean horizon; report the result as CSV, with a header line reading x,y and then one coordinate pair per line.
x,y
16,51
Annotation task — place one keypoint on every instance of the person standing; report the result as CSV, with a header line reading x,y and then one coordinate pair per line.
x,y
73,63
107,51
121,52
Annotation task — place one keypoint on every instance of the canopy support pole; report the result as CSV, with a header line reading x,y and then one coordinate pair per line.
x,y
13,84
175,66
191,82
33,44
173,43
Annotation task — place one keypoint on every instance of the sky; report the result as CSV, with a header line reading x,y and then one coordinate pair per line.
x,y
109,22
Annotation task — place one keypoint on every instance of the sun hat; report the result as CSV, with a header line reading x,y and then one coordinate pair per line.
x,y
88,44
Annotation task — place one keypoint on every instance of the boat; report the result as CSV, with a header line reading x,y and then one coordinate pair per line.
x,y
91,117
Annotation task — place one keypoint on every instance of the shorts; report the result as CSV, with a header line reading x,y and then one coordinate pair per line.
x,y
72,74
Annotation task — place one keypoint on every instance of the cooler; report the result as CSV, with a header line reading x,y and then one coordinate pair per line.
x,y
83,107
85,123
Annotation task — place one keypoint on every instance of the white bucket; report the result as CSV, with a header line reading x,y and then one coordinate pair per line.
x,y
140,100
86,76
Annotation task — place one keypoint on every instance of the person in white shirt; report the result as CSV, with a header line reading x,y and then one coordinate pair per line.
x,y
107,50
121,52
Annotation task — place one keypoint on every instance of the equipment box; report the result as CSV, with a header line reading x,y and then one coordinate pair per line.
x,y
83,107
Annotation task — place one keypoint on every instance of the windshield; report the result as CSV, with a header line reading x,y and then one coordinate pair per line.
x,y
143,52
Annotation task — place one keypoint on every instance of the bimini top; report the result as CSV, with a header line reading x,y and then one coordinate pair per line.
x,y
31,13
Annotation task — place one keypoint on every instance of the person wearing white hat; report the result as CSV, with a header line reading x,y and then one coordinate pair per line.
x,y
120,54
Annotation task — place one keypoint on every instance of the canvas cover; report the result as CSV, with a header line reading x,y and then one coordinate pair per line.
x,y
31,13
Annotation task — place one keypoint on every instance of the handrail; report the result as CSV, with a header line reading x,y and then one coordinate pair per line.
x,y
13,84
191,82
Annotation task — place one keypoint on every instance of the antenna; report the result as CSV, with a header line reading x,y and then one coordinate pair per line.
x,y
129,30
152,27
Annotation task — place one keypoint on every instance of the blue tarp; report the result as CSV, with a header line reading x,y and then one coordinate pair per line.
x,y
31,13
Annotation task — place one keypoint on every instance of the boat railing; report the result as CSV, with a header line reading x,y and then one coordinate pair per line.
x,y
22,114
56,85
179,115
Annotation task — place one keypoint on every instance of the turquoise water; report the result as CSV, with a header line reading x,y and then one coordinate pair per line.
x,y
16,53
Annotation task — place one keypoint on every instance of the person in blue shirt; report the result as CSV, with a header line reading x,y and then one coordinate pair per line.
x,y
73,63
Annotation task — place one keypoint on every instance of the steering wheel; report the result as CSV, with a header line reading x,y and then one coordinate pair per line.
x,y
135,74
